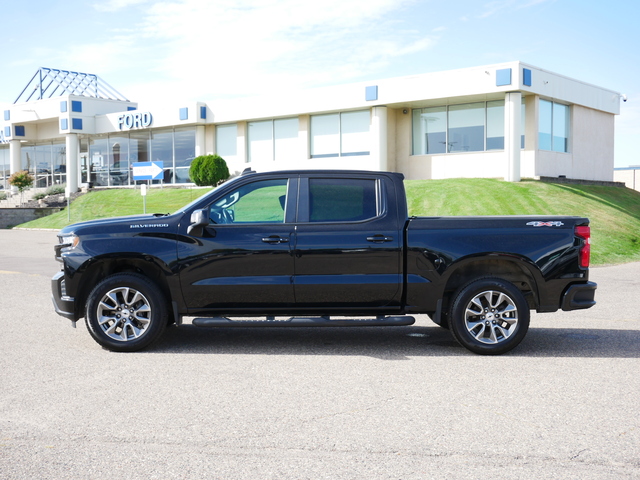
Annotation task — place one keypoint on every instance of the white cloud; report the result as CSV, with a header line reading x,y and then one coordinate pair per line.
x,y
243,47
496,6
115,5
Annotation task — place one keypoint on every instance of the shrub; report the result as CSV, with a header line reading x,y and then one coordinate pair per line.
x,y
22,180
3,196
39,196
56,189
208,170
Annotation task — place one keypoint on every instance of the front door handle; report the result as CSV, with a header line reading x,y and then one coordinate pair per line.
x,y
379,239
275,239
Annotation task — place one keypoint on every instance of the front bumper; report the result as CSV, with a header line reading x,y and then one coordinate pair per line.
x,y
63,304
579,296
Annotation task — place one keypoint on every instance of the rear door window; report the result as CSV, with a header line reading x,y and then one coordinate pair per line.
x,y
342,200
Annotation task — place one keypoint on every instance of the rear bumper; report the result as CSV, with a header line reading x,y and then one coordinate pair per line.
x,y
63,305
579,296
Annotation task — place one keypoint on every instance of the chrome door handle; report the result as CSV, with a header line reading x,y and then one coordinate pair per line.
x,y
275,239
379,239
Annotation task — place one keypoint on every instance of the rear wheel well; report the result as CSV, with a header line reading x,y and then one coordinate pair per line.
x,y
105,268
507,270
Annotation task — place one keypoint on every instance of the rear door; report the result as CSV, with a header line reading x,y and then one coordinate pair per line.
x,y
348,246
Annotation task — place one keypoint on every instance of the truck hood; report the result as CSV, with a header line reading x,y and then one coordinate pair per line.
x,y
115,224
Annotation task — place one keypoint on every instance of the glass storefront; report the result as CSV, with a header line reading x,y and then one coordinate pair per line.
x,y
106,161
5,167
46,162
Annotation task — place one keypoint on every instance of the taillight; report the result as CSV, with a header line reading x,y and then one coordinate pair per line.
x,y
584,232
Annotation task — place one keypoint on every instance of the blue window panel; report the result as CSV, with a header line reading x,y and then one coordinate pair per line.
x,y
7,131
203,113
76,123
371,93
526,77
503,77
7,115
76,106
184,113
130,109
19,130
63,106
64,124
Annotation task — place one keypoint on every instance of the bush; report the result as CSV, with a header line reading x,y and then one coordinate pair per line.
x,y
3,196
208,170
39,196
22,180
56,189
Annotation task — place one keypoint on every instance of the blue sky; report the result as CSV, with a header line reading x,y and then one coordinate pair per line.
x,y
209,49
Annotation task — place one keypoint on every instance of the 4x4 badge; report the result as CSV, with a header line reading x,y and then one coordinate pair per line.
x,y
545,224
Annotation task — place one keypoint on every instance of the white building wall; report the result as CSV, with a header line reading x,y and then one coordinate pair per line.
x,y
592,144
629,176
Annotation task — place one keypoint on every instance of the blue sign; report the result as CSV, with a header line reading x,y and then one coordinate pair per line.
x,y
147,170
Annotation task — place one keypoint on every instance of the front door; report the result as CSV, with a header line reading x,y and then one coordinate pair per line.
x,y
244,258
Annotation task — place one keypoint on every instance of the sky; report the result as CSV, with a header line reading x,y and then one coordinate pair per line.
x,y
187,50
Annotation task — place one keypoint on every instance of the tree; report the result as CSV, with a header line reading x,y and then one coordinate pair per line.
x,y
22,180
208,170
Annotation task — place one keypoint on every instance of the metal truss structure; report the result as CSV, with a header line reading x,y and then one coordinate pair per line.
x,y
50,82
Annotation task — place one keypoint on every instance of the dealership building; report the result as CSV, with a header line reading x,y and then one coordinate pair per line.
x,y
509,120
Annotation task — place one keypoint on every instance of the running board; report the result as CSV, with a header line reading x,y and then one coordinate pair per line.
x,y
306,322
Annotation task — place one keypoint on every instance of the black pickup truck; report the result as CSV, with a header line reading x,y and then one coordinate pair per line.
x,y
319,248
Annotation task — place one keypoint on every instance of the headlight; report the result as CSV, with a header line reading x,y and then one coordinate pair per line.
x,y
69,240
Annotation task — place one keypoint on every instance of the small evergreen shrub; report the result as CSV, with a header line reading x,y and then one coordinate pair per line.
x,y
208,170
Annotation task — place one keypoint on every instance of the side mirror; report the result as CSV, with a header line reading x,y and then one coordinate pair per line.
x,y
199,219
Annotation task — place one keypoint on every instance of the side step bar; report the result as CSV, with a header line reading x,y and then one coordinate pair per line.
x,y
379,321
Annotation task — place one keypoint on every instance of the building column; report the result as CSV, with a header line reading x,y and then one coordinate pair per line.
x,y
512,133
73,167
241,146
15,162
379,138
201,147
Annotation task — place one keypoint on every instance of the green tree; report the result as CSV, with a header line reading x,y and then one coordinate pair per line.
x,y
208,170
22,180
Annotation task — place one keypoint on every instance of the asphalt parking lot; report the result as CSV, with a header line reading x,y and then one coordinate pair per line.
x,y
359,403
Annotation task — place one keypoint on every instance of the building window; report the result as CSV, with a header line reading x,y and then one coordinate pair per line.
x,y
227,141
340,134
271,140
495,125
466,127
470,127
430,130
553,126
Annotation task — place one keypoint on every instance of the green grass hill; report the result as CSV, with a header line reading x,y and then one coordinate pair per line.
x,y
614,212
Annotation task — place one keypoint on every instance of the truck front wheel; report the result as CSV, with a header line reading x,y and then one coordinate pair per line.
x,y
489,316
126,312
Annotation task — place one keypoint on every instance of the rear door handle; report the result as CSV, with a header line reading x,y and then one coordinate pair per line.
x,y
379,239
275,239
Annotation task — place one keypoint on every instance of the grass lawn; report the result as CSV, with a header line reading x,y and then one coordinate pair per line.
x,y
614,212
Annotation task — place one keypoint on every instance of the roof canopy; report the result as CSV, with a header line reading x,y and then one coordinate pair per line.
x,y
50,82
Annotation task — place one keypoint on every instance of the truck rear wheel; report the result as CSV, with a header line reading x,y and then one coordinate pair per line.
x,y
126,312
489,316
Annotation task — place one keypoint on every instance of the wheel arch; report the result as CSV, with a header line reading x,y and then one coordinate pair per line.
x,y
150,267
513,269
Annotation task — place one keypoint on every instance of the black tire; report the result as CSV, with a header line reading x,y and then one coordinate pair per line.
x,y
489,316
126,312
